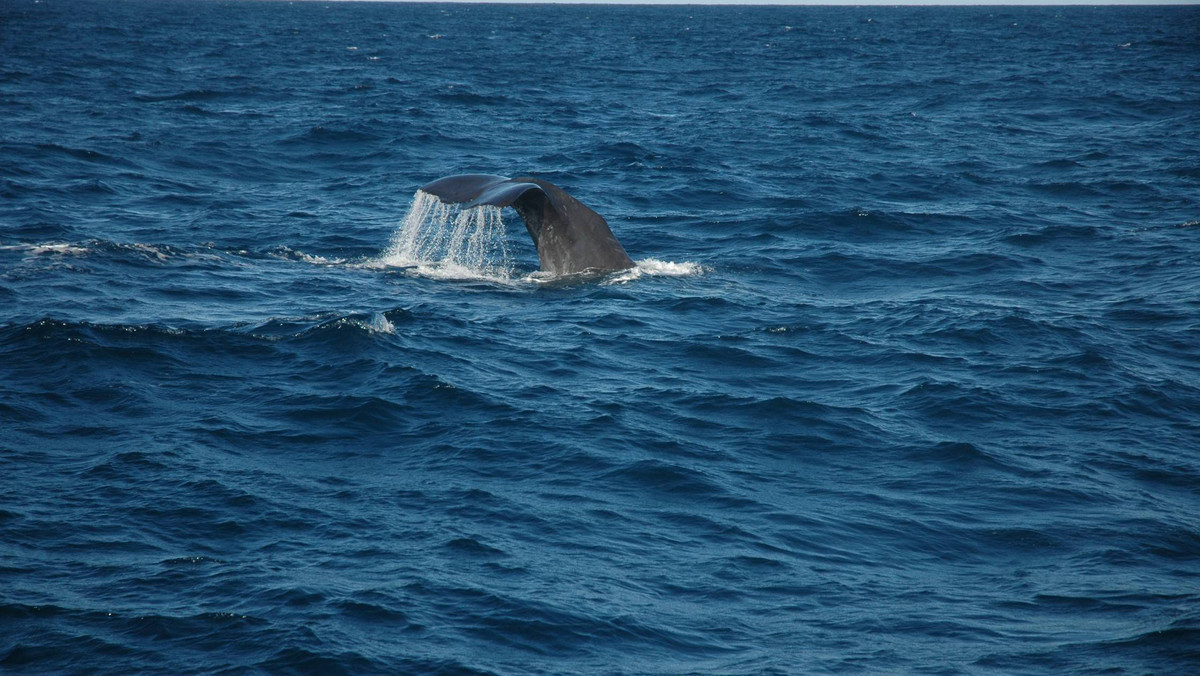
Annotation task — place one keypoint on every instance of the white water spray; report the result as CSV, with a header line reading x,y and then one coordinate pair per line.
x,y
444,240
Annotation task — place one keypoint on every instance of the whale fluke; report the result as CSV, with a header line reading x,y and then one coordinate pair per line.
x,y
569,236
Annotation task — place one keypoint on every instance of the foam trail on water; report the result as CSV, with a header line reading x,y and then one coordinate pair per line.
x,y
447,241
652,267
49,247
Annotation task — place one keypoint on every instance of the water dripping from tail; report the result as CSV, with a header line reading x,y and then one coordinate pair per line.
x,y
447,241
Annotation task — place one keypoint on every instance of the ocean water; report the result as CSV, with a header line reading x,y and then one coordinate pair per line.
x,y
906,380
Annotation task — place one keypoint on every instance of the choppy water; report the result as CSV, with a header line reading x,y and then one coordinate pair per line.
x,y
907,379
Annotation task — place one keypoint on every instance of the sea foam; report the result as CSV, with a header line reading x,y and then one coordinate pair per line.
x,y
653,267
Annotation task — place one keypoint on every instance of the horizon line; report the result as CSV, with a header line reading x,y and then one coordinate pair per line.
x,y
776,3
881,4
789,3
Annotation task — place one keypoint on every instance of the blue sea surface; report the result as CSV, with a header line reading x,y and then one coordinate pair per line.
x,y
906,380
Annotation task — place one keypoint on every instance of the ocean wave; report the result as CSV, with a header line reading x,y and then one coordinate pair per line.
x,y
457,95
117,252
321,135
46,248
89,335
190,95
288,253
79,153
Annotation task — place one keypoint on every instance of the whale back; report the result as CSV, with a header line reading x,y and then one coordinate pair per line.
x,y
569,236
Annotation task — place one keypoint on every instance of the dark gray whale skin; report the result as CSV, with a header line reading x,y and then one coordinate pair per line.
x,y
569,236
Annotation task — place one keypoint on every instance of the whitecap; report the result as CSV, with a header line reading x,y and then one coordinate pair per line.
x,y
653,267
47,248
148,250
289,253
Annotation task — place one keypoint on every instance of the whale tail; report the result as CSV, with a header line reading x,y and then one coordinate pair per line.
x,y
569,236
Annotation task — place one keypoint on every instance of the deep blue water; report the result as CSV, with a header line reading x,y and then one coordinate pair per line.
x,y
926,401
